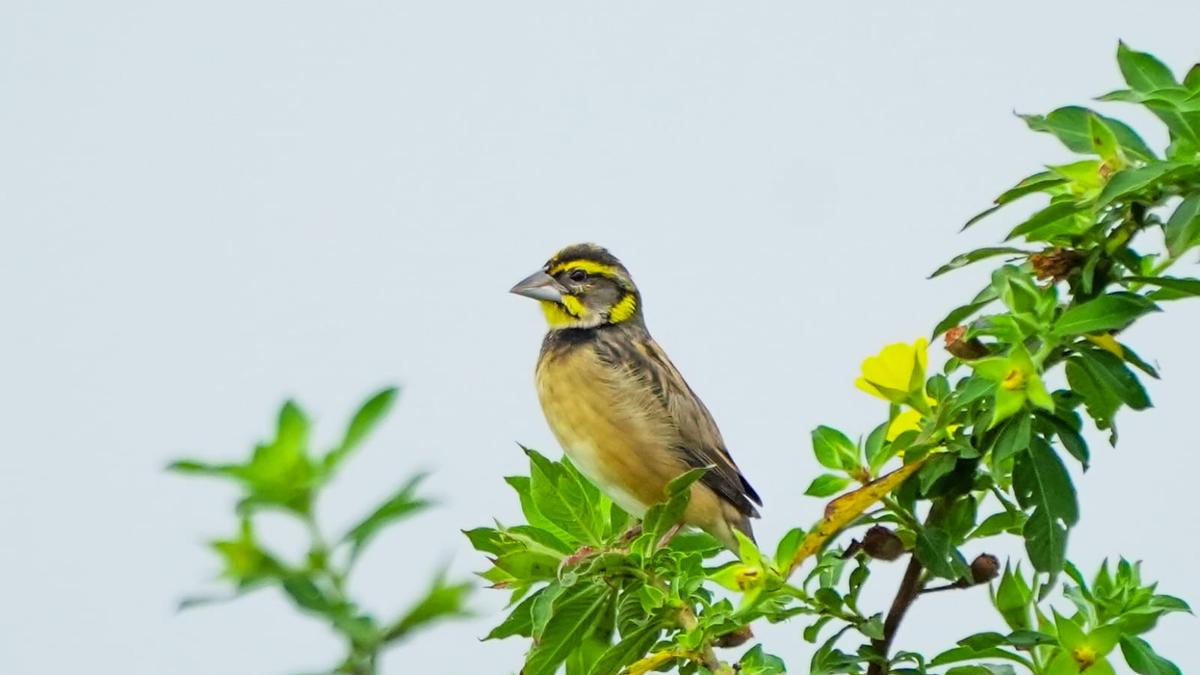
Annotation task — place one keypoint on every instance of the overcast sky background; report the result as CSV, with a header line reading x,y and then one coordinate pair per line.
x,y
207,207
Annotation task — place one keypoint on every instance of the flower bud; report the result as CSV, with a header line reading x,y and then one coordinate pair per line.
x,y
964,349
882,544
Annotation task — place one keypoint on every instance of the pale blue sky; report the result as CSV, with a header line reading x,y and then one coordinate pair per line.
x,y
206,207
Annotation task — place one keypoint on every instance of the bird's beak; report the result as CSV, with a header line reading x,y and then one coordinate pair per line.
x,y
539,286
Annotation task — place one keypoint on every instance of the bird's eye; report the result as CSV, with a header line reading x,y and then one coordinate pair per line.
x,y
578,275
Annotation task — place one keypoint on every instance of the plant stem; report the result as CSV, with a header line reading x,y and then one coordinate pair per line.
x,y
910,588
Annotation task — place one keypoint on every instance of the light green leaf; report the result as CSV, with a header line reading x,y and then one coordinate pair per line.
x,y
826,484
400,505
368,416
964,259
441,601
1142,658
832,448
1142,71
1132,181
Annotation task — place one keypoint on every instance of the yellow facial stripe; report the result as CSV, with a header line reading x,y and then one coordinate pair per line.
x,y
624,308
573,305
568,313
589,266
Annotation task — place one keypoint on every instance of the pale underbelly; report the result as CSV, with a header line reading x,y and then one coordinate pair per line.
x,y
587,459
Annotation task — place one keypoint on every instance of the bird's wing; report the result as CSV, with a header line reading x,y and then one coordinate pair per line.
x,y
699,441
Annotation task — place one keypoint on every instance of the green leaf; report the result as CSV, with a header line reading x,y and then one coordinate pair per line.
x,y
400,505
1041,482
1042,181
964,259
1132,181
663,516
1070,437
631,648
1053,213
1105,313
1005,521
958,314
307,596
826,484
1071,125
936,552
788,546
198,468
441,601
1142,71
518,622
1142,658
561,500
1111,373
757,662
1012,599
1183,287
833,449
1101,403
574,615
1013,438
1182,230
1103,140
368,416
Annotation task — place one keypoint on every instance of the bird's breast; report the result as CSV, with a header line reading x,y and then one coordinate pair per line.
x,y
608,426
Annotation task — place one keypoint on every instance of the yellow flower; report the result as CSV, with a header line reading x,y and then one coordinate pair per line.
x,y
906,420
897,373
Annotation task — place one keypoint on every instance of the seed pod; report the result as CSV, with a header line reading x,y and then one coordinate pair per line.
x,y
984,568
882,544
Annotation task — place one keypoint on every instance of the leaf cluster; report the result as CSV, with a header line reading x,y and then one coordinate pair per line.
x,y
977,449
285,475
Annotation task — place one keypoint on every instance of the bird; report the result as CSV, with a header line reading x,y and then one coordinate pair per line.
x,y
619,408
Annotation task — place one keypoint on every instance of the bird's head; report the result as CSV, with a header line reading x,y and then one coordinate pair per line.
x,y
583,286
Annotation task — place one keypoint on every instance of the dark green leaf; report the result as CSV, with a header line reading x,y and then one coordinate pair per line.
x,y
1071,439
1182,230
1111,373
1013,438
1101,403
519,620
631,648
937,554
575,613
1041,483
1107,312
